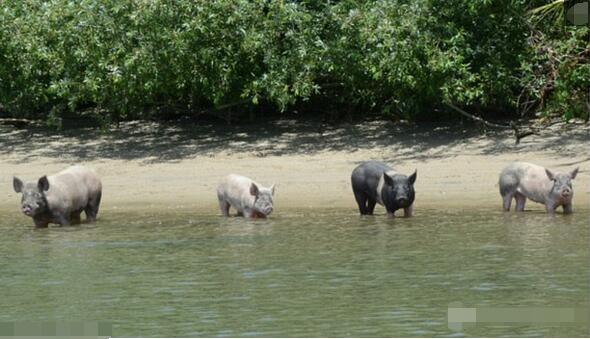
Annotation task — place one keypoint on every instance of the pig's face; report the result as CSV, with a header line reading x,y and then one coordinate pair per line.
x,y
262,199
33,200
562,184
399,190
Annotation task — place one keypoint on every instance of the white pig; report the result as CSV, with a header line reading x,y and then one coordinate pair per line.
x,y
246,196
521,180
60,198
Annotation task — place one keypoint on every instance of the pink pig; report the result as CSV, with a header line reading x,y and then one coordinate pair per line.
x,y
521,180
247,197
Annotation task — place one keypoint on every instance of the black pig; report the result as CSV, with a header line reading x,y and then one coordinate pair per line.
x,y
375,182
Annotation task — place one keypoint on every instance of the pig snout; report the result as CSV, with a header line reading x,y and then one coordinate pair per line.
x,y
267,210
566,192
402,201
27,209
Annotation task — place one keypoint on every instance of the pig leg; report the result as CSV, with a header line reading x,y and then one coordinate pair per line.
x,y
224,207
75,218
371,205
509,181
248,213
40,223
361,199
507,201
62,220
520,201
567,209
91,210
550,207
90,215
408,211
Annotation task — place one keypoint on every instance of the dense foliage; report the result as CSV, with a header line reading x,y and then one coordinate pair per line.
x,y
140,58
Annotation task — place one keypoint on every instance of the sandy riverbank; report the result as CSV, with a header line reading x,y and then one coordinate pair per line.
x,y
178,165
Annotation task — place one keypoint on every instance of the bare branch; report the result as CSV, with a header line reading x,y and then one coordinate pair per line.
x,y
476,118
518,134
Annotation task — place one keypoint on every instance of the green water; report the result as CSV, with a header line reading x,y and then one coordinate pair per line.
x,y
300,273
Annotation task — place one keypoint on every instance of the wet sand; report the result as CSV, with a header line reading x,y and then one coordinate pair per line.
x,y
177,166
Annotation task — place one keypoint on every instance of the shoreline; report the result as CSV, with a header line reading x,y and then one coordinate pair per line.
x,y
150,165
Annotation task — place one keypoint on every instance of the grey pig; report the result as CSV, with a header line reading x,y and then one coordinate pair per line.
x,y
375,182
521,180
249,198
60,198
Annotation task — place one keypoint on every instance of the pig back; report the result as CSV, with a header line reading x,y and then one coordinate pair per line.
x,y
533,182
71,189
236,190
368,178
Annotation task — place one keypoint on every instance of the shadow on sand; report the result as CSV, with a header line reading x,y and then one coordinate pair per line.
x,y
153,142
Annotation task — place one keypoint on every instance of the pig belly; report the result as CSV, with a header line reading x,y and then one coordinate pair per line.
x,y
533,191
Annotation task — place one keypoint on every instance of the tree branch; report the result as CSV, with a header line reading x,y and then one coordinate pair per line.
x,y
517,133
476,118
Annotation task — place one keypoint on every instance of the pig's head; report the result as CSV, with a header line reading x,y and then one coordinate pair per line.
x,y
262,198
562,185
33,201
398,191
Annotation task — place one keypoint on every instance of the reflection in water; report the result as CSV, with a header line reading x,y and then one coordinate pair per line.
x,y
298,273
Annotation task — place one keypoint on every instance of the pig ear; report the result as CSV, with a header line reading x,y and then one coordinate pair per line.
x,y
412,178
550,174
43,184
254,189
574,173
17,184
272,189
387,179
